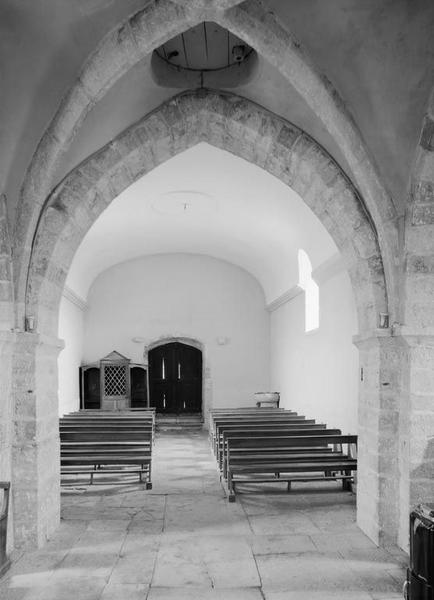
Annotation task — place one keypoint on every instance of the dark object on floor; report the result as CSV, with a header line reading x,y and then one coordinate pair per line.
x,y
420,575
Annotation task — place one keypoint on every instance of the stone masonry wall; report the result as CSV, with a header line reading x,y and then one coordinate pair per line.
x,y
378,508
6,418
35,451
418,323
6,344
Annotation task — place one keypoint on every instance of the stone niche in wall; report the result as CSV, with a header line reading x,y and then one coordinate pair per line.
x,y
113,383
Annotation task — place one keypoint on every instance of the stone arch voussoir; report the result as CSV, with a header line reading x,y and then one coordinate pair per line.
x,y
233,124
419,246
6,284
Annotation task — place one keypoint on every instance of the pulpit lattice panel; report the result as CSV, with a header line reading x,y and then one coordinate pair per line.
x,y
115,380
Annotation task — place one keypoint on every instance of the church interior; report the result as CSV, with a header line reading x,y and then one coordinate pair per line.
x,y
216,236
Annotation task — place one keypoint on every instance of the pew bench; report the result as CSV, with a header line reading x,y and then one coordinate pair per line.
x,y
107,444
236,413
263,430
267,441
111,471
250,424
92,457
287,465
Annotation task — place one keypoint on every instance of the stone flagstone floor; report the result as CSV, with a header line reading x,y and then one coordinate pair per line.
x,y
183,540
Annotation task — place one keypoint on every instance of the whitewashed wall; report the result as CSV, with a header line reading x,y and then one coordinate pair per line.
x,y
183,295
317,372
71,320
246,349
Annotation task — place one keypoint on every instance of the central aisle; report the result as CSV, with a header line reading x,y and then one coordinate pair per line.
x,y
183,540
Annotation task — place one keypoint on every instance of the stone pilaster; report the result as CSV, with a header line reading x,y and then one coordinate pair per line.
x,y
418,328
35,447
382,391
6,411
417,425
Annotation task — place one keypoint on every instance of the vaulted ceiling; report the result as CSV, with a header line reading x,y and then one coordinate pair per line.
x,y
378,54
207,201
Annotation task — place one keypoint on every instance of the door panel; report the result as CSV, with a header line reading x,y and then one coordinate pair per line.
x,y
189,397
91,391
139,392
162,396
175,378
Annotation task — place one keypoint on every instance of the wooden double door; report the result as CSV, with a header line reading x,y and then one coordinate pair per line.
x,y
175,378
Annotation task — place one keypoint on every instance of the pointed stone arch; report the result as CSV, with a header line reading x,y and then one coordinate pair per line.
x,y
134,39
249,131
228,122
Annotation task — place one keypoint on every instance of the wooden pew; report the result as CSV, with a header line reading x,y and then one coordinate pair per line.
x,y
107,443
135,416
289,458
107,417
267,441
124,414
240,409
92,432
220,413
220,423
273,428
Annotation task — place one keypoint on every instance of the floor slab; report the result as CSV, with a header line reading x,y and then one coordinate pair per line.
x,y
184,540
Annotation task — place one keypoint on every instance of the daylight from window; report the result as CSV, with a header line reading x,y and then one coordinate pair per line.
x,y
311,292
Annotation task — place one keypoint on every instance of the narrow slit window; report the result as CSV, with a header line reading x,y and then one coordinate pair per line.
x,y
179,370
163,369
311,292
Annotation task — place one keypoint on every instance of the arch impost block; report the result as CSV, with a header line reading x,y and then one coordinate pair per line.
x,y
34,340
372,338
414,336
7,337
398,333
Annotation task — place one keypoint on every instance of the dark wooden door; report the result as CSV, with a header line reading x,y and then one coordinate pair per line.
x,y
139,392
175,378
91,388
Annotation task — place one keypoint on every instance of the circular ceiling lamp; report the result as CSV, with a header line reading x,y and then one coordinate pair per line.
x,y
184,203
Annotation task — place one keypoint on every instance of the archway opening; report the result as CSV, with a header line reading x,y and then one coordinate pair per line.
x,y
277,147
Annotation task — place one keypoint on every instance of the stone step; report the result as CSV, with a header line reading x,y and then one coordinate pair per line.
x,y
178,422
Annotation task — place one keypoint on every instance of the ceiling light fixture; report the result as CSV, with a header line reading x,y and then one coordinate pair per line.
x,y
183,202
